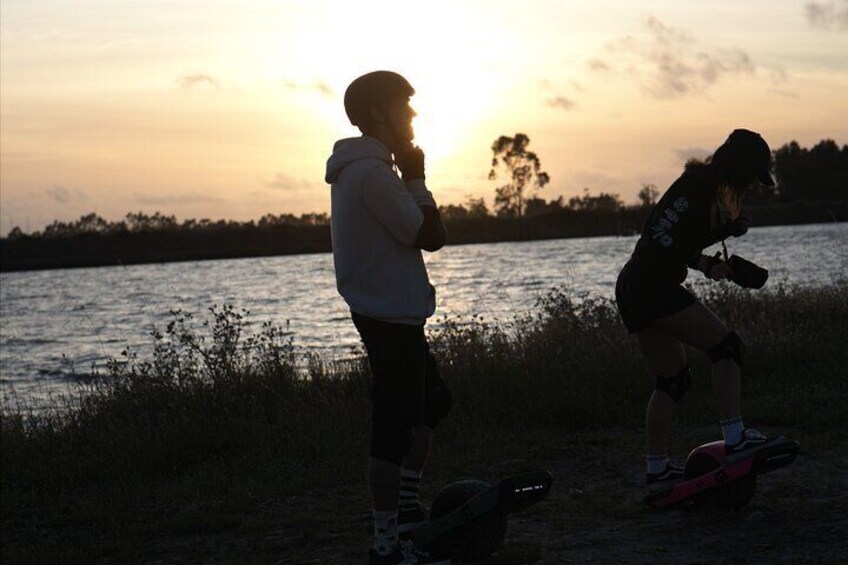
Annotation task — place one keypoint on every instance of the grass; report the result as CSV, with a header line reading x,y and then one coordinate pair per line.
x,y
222,424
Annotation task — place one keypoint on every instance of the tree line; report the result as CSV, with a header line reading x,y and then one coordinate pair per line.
x,y
812,187
139,222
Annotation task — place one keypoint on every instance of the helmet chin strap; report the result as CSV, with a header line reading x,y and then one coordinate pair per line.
x,y
400,140
395,141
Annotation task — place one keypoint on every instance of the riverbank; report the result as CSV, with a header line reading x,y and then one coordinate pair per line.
x,y
217,450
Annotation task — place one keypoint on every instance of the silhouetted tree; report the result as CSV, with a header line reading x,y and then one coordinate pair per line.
x,y
141,222
603,202
476,207
58,229
648,195
523,170
453,212
536,206
91,223
314,219
819,173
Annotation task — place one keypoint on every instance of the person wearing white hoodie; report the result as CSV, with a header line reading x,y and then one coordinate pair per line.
x,y
380,224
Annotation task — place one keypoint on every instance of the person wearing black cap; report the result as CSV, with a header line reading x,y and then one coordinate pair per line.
x,y
380,223
664,315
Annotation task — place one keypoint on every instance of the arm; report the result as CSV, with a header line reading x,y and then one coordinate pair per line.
x,y
703,263
394,206
432,235
712,267
679,225
736,227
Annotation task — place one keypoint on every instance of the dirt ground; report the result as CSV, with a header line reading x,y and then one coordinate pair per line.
x,y
594,514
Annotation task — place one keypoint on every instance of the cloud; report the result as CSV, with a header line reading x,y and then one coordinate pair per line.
x,y
831,15
687,153
561,103
64,195
317,85
668,62
598,65
188,82
289,183
785,93
175,199
778,75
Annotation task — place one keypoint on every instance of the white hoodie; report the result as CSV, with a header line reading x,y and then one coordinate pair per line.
x,y
375,221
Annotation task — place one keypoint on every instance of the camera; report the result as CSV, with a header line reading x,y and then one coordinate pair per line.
x,y
745,273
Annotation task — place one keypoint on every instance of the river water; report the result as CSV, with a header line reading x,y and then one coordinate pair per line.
x,y
56,323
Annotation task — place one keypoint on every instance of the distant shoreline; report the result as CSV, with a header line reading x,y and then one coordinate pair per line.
x,y
167,246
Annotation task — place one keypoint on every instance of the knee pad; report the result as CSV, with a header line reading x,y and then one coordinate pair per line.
x,y
731,347
390,443
677,385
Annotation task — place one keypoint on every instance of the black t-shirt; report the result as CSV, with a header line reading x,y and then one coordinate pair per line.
x,y
678,228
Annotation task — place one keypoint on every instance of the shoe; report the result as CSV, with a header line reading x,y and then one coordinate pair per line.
x,y
751,438
659,482
409,519
406,554
392,558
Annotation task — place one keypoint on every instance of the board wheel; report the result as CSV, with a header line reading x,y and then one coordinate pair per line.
x,y
727,497
477,539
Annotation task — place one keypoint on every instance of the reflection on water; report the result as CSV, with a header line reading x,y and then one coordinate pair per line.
x,y
58,322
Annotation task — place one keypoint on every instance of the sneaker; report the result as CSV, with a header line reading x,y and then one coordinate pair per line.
x,y
392,558
406,554
751,438
659,482
414,556
411,518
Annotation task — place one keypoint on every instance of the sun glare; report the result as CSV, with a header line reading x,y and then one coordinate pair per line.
x,y
448,73
441,125
449,101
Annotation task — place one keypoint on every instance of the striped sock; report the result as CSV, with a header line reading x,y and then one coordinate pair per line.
x,y
732,429
657,463
385,531
409,482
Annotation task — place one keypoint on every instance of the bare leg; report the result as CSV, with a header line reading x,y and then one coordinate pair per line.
x,y
697,326
665,356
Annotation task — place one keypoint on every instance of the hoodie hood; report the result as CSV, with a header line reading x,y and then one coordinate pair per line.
x,y
347,151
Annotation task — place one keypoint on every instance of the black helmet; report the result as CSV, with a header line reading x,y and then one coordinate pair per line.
x,y
375,89
745,153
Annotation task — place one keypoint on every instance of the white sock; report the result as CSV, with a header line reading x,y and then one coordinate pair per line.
x,y
657,463
409,482
385,531
732,429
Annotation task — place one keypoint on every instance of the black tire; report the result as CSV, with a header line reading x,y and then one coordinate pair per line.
x,y
728,497
477,539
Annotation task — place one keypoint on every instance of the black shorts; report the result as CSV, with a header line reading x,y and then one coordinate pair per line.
x,y
641,300
407,390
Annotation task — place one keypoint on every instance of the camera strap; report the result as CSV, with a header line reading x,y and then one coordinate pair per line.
x,y
718,221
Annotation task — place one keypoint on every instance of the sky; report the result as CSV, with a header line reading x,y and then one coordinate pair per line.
x,y
229,109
